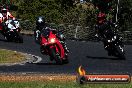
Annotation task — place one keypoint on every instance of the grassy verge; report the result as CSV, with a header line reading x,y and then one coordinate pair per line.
x,y
56,84
50,81
7,56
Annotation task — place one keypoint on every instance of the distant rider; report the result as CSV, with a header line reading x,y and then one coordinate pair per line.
x,y
4,16
102,25
101,19
103,7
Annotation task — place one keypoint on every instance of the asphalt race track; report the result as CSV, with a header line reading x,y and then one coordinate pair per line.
x,y
91,55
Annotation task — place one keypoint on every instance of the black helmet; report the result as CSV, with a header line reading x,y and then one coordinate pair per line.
x,y
40,21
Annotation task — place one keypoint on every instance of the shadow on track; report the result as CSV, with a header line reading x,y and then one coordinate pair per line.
x,y
111,58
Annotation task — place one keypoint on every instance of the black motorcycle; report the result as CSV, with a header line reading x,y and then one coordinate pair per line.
x,y
113,42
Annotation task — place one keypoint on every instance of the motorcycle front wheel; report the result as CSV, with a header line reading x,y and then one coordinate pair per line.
x,y
120,52
56,57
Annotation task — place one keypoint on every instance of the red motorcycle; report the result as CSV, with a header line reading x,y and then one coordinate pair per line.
x,y
50,45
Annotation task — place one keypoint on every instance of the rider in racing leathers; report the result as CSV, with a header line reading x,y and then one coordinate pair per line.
x,y
41,26
4,16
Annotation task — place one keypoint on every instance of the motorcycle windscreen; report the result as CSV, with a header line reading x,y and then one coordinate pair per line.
x,y
45,33
11,27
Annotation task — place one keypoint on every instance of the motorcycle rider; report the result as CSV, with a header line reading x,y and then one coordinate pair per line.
x,y
101,26
105,27
103,7
103,23
42,26
4,16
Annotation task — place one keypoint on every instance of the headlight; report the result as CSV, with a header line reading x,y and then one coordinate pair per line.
x,y
52,40
116,25
109,40
115,37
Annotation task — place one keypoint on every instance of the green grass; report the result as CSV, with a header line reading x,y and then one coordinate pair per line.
x,y
55,84
7,56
